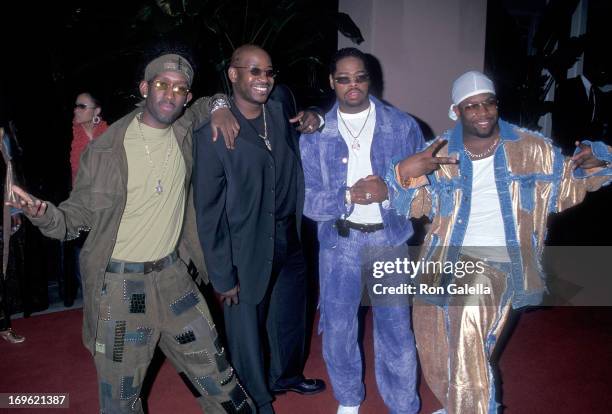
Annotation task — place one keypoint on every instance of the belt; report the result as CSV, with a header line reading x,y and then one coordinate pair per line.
x,y
365,228
117,266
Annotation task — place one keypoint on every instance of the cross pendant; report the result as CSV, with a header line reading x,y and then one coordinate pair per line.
x,y
356,145
158,188
266,141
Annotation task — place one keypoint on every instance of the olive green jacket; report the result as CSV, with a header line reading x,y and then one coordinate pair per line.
x,y
98,200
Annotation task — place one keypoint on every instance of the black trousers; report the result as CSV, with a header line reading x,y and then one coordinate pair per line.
x,y
266,341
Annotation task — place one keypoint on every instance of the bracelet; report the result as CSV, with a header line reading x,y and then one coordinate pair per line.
x,y
219,103
347,196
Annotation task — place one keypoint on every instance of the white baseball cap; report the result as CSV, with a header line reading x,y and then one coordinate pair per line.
x,y
469,84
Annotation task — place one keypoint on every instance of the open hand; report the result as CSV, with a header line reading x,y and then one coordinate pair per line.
x,y
30,205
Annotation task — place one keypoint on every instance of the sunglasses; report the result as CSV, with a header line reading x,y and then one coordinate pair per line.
x,y
345,80
160,85
488,105
84,106
269,73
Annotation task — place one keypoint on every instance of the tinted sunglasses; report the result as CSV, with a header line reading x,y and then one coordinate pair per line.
x,y
160,85
345,80
269,73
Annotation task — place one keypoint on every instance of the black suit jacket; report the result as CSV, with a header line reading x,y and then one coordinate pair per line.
x,y
234,194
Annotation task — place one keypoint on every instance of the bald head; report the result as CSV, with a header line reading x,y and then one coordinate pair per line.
x,y
252,77
243,52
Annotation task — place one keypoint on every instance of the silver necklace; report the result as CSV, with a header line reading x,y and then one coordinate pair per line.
x,y
355,144
158,188
484,154
265,135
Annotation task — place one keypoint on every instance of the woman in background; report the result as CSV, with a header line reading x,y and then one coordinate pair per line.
x,y
87,125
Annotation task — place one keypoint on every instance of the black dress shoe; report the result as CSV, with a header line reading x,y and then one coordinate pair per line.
x,y
307,386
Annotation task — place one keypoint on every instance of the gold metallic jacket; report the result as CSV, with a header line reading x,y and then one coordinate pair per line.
x,y
533,179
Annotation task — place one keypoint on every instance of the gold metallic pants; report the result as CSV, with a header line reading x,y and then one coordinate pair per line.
x,y
455,343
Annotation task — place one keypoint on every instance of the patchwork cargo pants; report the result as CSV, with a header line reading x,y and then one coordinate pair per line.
x,y
140,311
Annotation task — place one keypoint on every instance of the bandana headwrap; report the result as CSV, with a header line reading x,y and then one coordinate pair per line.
x,y
469,84
169,63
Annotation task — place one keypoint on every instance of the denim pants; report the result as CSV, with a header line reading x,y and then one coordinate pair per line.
x,y
341,289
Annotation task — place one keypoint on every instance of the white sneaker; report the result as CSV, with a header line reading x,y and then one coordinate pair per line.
x,y
347,410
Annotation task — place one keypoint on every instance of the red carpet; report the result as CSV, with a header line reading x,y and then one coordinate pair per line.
x,y
557,361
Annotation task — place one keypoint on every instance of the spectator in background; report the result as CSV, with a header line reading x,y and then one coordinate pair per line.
x,y
87,125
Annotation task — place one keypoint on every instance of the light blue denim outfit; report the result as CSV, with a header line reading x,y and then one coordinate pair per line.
x,y
325,161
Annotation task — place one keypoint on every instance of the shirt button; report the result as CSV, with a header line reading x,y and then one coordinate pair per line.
x,y
459,221
344,160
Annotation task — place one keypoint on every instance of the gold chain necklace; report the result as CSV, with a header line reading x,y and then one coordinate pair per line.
x,y
355,144
265,135
484,154
158,188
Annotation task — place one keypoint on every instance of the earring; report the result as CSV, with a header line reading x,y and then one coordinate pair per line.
x,y
96,120
184,104
144,95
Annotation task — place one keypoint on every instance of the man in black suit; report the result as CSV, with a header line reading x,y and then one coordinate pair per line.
x,y
249,203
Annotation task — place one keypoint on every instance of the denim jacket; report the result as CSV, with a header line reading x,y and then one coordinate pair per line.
x,y
325,161
533,179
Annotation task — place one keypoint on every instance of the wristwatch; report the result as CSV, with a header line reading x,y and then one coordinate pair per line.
x,y
219,103
347,197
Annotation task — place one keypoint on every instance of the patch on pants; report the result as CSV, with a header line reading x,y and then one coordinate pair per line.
x,y
238,403
127,391
117,333
208,385
133,292
140,337
185,337
186,302
198,357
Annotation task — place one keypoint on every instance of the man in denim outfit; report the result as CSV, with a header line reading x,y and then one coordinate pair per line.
x,y
346,196
488,194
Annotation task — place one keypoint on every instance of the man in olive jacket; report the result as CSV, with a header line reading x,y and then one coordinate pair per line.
x,y
133,192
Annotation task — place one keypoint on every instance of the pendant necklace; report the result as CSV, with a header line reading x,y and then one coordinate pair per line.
x,y
355,144
158,188
265,134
